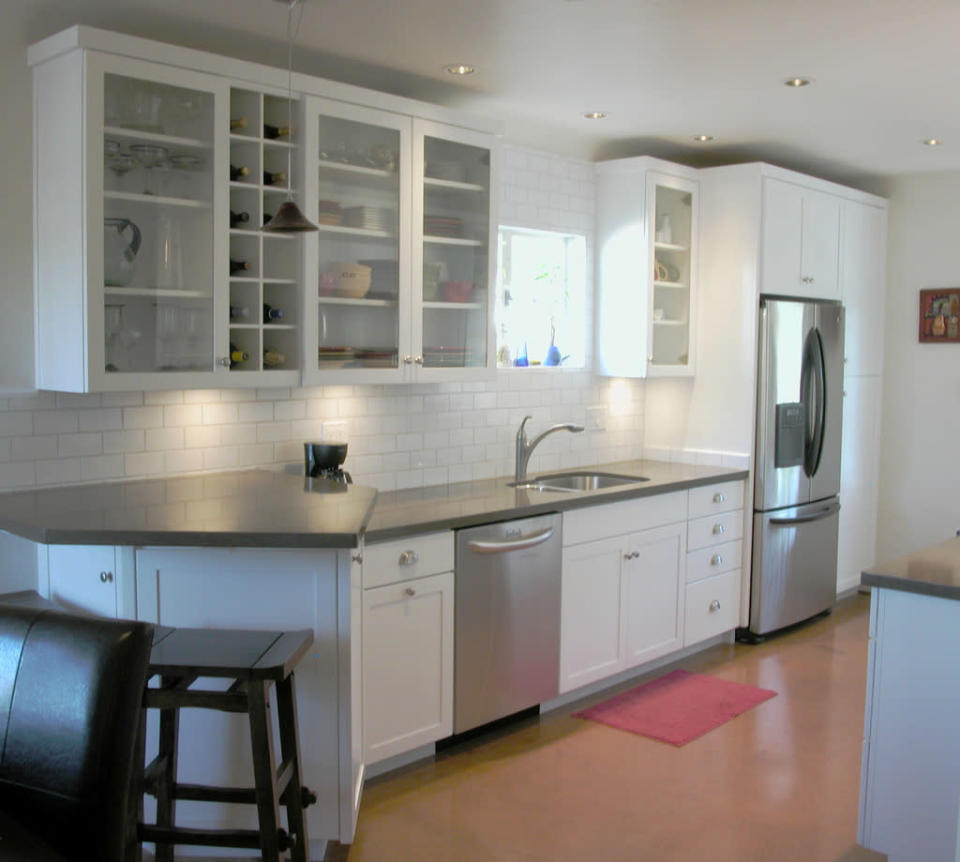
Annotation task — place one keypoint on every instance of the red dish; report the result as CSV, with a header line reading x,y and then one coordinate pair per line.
x,y
456,291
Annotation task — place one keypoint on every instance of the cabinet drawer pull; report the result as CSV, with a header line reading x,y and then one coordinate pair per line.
x,y
714,606
718,498
409,591
718,529
409,558
632,555
357,558
716,560
106,577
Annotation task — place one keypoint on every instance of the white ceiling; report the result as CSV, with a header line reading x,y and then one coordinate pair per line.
x,y
884,71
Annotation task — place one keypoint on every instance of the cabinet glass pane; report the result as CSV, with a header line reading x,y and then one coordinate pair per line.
x,y
358,323
671,276
158,226
456,212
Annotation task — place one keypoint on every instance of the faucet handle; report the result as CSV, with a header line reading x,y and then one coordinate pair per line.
x,y
520,431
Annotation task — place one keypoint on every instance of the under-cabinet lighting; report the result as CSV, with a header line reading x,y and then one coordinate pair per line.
x,y
459,69
796,82
702,139
933,142
596,115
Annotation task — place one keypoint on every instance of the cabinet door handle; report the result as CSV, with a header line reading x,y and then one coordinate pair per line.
x,y
807,279
223,361
409,591
357,558
718,529
106,577
718,498
716,560
632,555
409,558
418,360
714,606
408,360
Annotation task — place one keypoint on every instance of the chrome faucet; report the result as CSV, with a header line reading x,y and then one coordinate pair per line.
x,y
525,448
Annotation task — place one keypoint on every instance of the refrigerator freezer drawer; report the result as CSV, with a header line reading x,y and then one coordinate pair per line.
x,y
794,564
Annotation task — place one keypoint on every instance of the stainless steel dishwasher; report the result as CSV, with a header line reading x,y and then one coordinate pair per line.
x,y
507,629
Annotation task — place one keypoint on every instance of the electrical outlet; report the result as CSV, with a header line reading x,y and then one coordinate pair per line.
x,y
597,418
335,431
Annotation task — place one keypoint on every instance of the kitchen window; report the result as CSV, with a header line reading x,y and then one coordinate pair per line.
x,y
541,299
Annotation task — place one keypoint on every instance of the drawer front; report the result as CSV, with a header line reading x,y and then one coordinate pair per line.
x,y
616,519
414,557
712,561
722,497
711,607
714,530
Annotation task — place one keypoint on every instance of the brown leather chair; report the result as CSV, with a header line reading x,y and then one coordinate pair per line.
x,y
71,689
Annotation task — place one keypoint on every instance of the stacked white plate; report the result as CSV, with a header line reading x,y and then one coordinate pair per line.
x,y
368,218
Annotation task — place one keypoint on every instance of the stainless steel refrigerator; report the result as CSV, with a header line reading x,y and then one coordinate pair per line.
x,y
797,472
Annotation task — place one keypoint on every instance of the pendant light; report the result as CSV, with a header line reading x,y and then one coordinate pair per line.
x,y
288,218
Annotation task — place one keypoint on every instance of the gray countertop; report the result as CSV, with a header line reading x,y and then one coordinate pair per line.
x,y
263,508
251,508
442,507
933,571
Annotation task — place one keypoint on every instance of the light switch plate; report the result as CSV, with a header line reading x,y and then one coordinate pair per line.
x,y
335,431
597,418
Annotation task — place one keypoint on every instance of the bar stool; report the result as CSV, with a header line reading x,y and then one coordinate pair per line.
x,y
254,660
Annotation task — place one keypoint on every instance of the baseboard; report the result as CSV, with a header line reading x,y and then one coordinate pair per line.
x,y
388,764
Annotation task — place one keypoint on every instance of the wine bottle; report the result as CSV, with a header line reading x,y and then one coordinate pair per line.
x,y
273,132
274,178
239,312
238,266
237,172
271,315
273,358
238,123
237,355
238,218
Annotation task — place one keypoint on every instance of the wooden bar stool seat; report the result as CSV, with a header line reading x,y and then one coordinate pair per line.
x,y
254,660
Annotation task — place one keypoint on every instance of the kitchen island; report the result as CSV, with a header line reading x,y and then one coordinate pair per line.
x,y
262,549
910,774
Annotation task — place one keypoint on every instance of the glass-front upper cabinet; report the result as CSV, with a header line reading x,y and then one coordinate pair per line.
x,y
453,328
127,225
672,216
358,188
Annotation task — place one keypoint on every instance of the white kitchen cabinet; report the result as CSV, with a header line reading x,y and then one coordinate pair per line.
x,y
800,242
621,603
404,254
85,578
270,589
154,176
859,473
711,607
863,256
647,267
407,644
407,665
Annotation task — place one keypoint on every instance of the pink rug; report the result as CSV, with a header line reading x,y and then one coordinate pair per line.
x,y
677,707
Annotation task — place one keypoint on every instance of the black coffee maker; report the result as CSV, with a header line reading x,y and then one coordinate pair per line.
x,y
323,460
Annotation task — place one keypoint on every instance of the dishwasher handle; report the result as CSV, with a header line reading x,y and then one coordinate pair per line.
x,y
479,546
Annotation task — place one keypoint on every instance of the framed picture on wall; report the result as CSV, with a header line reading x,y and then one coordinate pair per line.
x,y
940,314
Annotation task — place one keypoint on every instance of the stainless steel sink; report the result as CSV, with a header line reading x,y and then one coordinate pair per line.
x,y
578,480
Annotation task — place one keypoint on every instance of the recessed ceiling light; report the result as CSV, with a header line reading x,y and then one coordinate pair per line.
x,y
796,82
702,139
933,142
596,115
459,69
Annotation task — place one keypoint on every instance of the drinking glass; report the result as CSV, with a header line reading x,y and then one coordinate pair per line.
x,y
149,155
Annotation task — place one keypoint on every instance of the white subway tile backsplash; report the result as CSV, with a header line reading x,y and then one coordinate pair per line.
x,y
80,444
142,417
160,439
58,471
144,463
50,421
32,448
182,460
101,419
96,468
123,441
123,399
175,415
200,396
165,397
201,436
219,414
4,448
18,474
272,432
257,411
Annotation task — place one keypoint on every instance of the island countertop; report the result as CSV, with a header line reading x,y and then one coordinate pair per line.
x,y
243,508
933,571
265,508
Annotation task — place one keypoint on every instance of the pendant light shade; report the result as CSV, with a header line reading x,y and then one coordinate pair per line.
x,y
288,218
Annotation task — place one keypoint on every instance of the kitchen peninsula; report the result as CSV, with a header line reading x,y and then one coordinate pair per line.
x,y
270,550
910,780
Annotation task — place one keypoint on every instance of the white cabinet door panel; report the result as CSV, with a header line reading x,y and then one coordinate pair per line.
x,y
863,255
590,636
711,608
714,529
653,591
780,249
820,245
407,665
84,578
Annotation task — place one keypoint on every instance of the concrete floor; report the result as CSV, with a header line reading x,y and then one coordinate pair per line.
x,y
780,782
